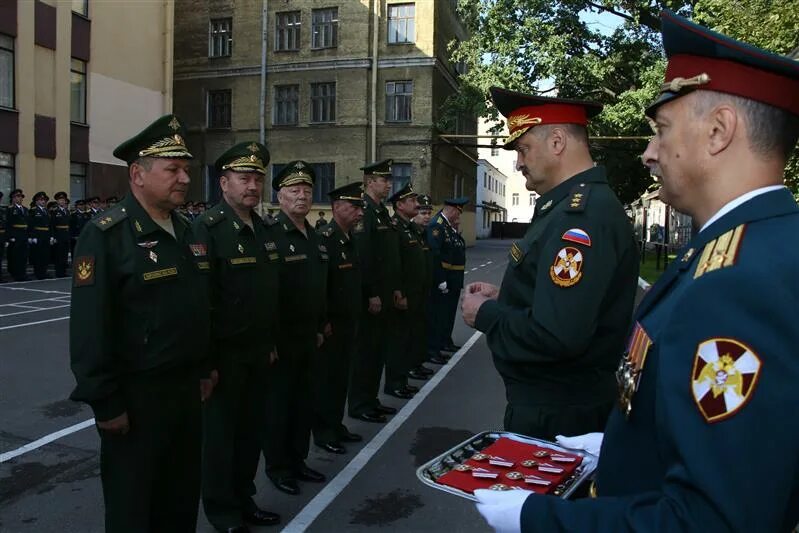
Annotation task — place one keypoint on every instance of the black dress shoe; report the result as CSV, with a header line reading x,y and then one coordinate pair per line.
x,y
371,416
451,348
333,447
415,374
436,360
350,437
286,484
386,410
309,474
411,388
424,370
400,393
235,529
259,517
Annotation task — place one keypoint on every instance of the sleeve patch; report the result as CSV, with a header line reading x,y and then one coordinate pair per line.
x,y
84,271
567,269
577,235
723,378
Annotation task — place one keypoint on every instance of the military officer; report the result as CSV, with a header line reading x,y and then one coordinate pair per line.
x,y
94,206
60,230
303,297
2,235
421,328
449,264
77,221
412,284
139,335
17,236
377,242
700,440
567,295
241,251
333,360
40,236
321,221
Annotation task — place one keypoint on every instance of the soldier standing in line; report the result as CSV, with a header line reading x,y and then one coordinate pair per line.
x,y
77,221
94,206
303,296
333,360
420,329
40,236
376,240
321,221
2,235
17,236
140,318
244,263
60,229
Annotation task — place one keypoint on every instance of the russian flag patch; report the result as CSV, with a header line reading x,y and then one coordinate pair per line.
x,y
577,235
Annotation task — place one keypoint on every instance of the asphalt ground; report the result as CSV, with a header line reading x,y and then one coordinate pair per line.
x,y
55,486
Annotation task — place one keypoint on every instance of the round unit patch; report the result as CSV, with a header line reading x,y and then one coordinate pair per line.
x,y
567,268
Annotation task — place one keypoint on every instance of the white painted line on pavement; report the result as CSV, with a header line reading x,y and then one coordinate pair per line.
x,y
7,456
33,310
472,270
6,285
23,306
34,323
32,290
484,264
643,284
56,299
489,262
319,503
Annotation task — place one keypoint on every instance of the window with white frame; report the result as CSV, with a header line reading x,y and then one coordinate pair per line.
x,y
400,176
515,199
323,102
287,31
401,23
286,107
220,37
6,71
7,175
324,27
81,7
398,101
77,108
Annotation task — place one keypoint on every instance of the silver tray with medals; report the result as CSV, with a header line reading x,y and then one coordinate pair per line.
x,y
433,469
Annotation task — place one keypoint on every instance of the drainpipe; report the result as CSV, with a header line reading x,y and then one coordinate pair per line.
x,y
375,32
262,106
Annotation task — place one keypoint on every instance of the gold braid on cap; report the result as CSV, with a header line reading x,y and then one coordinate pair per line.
x,y
295,178
249,162
518,125
166,147
678,84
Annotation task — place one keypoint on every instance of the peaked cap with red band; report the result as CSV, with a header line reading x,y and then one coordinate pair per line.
x,y
703,59
524,111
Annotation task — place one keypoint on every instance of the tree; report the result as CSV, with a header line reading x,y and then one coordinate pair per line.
x,y
545,46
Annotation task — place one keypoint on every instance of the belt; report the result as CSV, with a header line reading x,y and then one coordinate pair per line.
x,y
20,226
448,266
41,228
62,227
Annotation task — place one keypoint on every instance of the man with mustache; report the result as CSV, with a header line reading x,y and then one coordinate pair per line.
x,y
702,439
139,338
556,327
241,251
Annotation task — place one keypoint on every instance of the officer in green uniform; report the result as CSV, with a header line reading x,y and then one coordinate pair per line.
x,y
139,336
333,360
303,297
421,328
449,264
59,222
40,236
413,270
376,239
17,236
241,250
560,320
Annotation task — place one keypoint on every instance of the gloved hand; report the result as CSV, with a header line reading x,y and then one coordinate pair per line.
x,y
502,509
590,442
52,240
32,240
443,287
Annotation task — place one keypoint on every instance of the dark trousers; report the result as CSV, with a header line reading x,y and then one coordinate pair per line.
x,y
547,421
443,308
151,476
370,357
40,257
232,430
331,372
2,254
61,257
288,406
18,259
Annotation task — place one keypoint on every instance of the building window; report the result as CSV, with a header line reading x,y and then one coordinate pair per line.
x,y
78,92
323,102
220,37
400,176
515,198
6,71
7,175
325,180
219,109
494,150
531,198
287,31
324,27
287,99
398,101
77,180
81,7
485,181
401,23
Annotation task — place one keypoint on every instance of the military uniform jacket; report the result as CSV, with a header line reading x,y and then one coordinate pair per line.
x,y
566,299
59,224
343,273
710,443
3,214
139,304
421,232
77,221
449,252
17,223
412,259
244,276
378,248
39,224
303,279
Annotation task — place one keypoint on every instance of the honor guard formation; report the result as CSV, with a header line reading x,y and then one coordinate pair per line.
x,y
209,340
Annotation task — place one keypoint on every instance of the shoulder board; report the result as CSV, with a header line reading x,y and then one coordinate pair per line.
x,y
214,216
110,218
721,252
578,198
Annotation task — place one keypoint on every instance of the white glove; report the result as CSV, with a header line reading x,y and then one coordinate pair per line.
x,y
590,442
502,509
12,239
443,287
52,240
32,240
